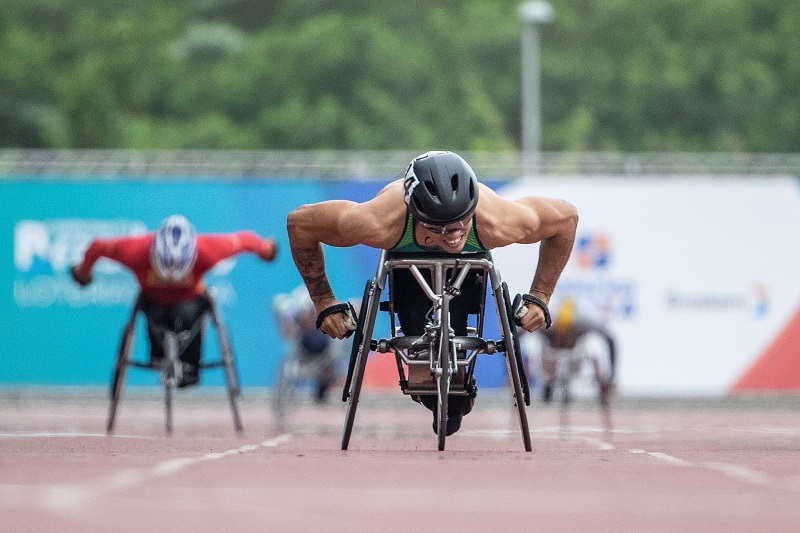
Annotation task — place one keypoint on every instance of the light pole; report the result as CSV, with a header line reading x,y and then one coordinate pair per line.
x,y
533,15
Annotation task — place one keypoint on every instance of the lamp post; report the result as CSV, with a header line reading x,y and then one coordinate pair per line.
x,y
533,14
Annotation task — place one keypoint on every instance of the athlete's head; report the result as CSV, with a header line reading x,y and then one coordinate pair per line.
x,y
303,306
174,248
440,188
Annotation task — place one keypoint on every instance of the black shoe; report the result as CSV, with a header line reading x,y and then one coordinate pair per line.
x,y
453,422
189,377
457,407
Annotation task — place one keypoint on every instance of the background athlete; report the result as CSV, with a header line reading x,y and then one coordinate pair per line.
x,y
438,206
169,265
577,339
308,347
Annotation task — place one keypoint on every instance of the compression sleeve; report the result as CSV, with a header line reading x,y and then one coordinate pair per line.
x,y
130,251
212,248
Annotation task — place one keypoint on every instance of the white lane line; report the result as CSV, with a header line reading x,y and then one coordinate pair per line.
x,y
68,434
734,471
69,498
664,457
601,444
745,473
594,430
769,431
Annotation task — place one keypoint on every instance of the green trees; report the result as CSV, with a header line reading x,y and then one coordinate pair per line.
x,y
623,75
674,75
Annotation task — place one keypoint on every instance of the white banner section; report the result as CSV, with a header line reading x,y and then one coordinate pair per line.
x,y
694,276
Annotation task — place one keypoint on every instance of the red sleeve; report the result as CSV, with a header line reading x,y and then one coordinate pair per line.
x,y
129,251
211,249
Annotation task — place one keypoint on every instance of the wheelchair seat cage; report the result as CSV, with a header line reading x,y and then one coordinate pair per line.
x,y
445,359
170,368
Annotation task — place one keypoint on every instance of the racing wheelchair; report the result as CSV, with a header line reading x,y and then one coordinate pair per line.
x,y
447,359
303,365
559,369
170,367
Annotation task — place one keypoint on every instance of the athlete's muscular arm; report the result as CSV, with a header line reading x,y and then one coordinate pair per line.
x,y
377,223
82,273
529,220
249,241
215,248
558,223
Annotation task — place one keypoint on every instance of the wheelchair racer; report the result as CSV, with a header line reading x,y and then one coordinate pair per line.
x,y
308,346
438,206
169,265
577,338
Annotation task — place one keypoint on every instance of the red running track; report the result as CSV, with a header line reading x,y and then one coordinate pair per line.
x,y
711,465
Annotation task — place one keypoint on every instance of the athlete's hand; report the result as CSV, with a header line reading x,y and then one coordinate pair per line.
x,y
269,250
529,316
80,277
340,324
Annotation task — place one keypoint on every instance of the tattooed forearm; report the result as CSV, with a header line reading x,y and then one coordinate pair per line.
x,y
310,263
318,287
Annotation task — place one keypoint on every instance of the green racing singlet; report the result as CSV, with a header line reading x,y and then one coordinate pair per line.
x,y
408,242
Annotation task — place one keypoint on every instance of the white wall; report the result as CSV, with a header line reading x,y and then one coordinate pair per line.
x,y
694,275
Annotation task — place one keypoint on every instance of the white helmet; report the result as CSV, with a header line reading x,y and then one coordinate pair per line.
x,y
174,248
301,301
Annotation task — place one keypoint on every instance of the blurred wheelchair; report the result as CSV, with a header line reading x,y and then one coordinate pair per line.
x,y
312,359
575,354
173,341
440,361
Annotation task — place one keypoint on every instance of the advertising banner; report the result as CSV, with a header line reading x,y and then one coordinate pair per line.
x,y
54,332
696,278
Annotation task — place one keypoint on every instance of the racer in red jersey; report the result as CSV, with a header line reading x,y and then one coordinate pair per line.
x,y
169,265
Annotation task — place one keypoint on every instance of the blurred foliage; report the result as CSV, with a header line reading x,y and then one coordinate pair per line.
x,y
619,75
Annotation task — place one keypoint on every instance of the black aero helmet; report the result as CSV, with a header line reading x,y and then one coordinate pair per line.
x,y
440,188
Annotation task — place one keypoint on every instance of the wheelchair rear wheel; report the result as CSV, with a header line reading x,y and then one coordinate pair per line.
x,y
170,374
359,354
231,375
514,363
285,388
120,370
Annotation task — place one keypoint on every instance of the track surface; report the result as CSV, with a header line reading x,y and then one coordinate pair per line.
x,y
709,465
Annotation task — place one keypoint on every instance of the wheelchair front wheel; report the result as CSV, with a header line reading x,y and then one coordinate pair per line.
x,y
443,386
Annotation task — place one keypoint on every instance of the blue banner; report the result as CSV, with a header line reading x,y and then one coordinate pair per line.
x,y
54,332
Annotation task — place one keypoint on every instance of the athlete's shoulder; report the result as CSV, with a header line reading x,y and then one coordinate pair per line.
x,y
392,195
129,242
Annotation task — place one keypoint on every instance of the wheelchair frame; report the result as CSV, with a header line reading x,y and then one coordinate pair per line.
x,y
296,367
568,366
171,368
438,347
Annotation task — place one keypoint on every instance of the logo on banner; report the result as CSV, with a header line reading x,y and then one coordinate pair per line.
x,y
593,251
761,300
754,301
45,250
595,287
